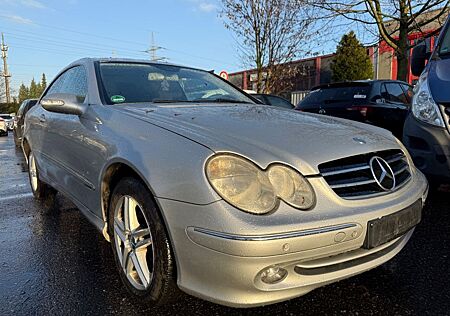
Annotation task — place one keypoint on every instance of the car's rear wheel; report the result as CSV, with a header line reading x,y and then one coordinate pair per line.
x,y
41,190
140,243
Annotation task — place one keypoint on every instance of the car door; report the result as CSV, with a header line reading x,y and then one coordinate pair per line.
x,y
72,144
396,107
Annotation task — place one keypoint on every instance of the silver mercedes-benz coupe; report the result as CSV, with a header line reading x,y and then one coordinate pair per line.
x,y
199,188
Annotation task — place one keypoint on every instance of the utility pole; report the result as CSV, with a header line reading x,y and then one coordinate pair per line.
x,y
153,49
6,75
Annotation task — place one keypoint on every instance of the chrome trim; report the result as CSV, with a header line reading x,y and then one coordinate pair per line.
x,y
351,184
405,167
372,195
397,157
344,170
294,234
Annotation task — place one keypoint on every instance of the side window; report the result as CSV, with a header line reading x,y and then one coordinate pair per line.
x,y
395,93
73,81
409,92
260,98
280,102
384,93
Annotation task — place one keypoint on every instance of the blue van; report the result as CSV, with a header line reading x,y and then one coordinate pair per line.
x,y
426,133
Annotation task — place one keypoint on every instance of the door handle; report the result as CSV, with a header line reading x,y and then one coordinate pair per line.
x,y
42,118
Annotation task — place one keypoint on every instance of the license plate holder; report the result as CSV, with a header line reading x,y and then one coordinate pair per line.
x,y
389,227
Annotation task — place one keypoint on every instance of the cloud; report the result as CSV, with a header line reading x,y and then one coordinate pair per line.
x,y
33,4
206,7
17,19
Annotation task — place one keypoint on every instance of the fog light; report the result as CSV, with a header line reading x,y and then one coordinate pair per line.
x,y
273,275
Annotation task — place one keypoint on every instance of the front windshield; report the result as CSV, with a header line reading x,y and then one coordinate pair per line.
x,y
159,83
445,43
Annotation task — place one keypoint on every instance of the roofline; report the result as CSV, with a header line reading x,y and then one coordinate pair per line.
x,y
124,60
361,82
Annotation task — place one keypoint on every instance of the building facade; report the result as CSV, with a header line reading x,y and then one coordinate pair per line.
x,y
317,70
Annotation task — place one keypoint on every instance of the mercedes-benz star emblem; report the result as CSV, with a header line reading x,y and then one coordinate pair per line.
x,y
382,173
359,140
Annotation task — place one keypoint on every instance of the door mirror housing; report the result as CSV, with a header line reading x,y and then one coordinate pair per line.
x,y
64,103
419,58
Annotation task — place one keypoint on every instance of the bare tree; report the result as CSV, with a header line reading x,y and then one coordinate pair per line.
x,y
270,34
393,19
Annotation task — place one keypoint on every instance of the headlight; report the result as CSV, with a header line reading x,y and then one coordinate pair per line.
x,y
423,106
291,187
245,186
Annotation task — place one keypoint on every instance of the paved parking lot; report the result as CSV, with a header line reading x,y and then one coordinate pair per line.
x,y
54,262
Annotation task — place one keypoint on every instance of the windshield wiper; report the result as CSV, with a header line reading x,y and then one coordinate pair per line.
x,y
170,101
221,100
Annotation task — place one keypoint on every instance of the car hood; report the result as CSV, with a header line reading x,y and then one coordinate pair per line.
x,y
439,80
266,134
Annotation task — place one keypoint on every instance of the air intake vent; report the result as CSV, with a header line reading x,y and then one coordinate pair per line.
x,y
353,177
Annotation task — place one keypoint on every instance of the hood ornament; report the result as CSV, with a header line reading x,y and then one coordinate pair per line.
x,y
359,140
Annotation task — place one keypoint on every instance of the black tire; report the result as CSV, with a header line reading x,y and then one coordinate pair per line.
x,y
41,190
16,141
162,288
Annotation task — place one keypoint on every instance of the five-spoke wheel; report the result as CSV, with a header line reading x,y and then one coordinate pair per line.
x,y
140,243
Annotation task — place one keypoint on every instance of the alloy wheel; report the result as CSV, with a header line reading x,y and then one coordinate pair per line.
x,y
33,173
134,243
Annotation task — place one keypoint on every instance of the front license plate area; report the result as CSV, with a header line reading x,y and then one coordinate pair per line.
x,y
389,227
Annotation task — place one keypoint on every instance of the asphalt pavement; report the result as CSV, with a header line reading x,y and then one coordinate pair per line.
x,y
54,262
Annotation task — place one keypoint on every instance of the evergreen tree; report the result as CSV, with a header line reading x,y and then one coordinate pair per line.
x,y
351,61
42,84
34,89
23,93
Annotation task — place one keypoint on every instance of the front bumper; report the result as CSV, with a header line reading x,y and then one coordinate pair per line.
x,y
221,251
429,147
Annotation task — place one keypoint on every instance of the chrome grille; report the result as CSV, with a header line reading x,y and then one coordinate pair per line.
x,y
352,178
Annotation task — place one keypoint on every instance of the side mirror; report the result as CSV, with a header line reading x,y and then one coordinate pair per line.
x,y
419,58
64,103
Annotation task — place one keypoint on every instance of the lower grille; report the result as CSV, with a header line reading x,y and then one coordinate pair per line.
x,y
353,178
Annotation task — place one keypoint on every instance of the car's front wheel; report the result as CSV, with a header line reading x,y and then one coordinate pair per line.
x,y
40,189
140,243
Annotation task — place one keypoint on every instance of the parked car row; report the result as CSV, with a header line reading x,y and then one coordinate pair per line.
x,y
384,103
3,127
24,107
9,121
199,187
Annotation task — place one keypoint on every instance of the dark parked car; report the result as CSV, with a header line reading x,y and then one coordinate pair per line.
x,y
19,119
274,100
427,127
384,103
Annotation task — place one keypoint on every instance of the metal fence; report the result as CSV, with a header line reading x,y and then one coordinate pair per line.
x,y
297,96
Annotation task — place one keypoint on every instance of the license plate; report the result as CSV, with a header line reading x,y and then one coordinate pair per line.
x,y
389,227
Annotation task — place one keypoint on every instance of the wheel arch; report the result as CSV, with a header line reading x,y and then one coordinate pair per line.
x,y
113,172
26,148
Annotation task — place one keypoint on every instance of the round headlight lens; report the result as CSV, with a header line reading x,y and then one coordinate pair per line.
x,y
241,183
291,187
